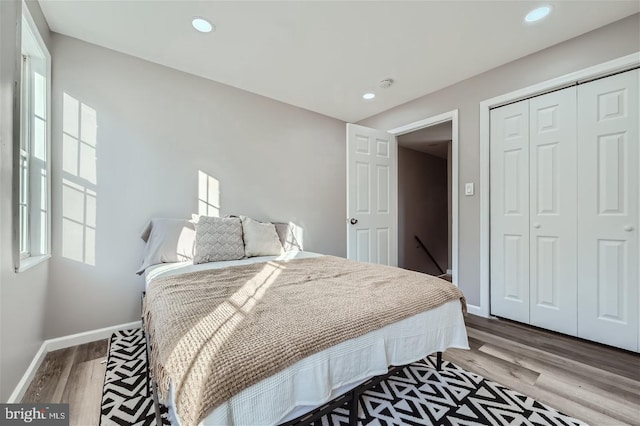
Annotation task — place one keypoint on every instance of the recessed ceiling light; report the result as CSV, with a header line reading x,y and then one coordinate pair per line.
x,y
368,96
538,13
202,25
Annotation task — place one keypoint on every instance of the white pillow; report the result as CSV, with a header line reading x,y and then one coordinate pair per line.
x,y
287,234
260,239
168,240
218,238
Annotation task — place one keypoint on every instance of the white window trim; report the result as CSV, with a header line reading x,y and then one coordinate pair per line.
x,y
24,154
22,263
31,261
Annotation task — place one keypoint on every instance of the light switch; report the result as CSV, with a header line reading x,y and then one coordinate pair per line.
x,y
468,188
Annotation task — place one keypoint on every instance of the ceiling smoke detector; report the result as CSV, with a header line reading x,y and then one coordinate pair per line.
x,y
386,83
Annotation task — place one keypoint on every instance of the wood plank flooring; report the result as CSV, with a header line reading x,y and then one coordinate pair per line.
x,y
75,376
595,383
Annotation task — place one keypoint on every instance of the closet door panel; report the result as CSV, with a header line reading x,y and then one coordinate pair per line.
x,y
510,211
553,201
608,161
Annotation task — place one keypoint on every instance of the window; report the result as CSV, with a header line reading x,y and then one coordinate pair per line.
x,y
32,191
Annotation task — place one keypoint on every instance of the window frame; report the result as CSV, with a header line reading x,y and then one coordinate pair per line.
x,y
31,248
24,155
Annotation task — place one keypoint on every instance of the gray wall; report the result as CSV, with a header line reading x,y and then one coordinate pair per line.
x,y
147,131
422,210
22,296
606,43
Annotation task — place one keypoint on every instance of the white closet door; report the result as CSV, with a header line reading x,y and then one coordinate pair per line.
x,y
553,200
608,161
510,211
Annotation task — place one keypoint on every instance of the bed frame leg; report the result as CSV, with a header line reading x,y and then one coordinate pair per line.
x,y
146,370
353,407
156,405
147,374
152,388
439,361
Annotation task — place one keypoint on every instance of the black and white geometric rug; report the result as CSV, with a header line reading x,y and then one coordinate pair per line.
x,y
418,395
126,400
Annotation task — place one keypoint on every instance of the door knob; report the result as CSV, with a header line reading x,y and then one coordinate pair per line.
x,y
628,228
536,225
353,221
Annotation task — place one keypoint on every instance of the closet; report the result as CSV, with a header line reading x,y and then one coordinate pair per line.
x,y
564,210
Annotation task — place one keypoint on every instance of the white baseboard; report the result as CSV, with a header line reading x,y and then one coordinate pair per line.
x,y
449,271
61,343
476,310
87,336
28,376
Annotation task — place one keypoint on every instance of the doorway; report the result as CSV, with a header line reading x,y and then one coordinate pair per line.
x,y
436,130
425,200
372,190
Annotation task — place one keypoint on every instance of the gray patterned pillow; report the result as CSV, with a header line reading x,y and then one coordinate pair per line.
x,y
218,238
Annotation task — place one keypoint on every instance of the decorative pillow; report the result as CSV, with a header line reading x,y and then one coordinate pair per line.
x,y
168,240
196,217
287,234
218,238
260,239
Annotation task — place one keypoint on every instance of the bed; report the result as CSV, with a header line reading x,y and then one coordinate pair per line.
x,y
318,376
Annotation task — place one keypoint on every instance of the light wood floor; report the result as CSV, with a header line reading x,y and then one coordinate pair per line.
x,y
75,376
594,383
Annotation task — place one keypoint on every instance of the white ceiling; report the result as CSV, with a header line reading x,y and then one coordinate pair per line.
x,y
433,140
323,55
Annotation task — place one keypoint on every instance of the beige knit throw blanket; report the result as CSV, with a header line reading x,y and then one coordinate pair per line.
x,y
216,332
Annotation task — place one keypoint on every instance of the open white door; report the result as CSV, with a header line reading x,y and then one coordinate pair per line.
x,y
372,195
